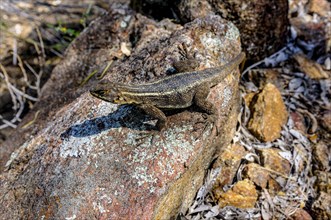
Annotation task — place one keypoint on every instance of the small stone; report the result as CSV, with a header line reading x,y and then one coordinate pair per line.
x,y
321,7
301,214
257,174
323,181
313,69
273,187
229,160
273,161
321,155
326,120
242,195
299,122
321,207
125,49
269,114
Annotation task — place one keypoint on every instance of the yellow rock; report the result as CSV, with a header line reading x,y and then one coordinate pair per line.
x,y
268,114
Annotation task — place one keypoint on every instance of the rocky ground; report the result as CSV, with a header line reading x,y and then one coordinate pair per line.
x,y
281,153
277,165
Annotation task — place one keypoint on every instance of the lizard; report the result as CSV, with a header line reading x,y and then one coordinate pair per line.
x,y
176,91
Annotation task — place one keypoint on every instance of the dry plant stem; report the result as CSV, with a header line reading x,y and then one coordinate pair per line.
x,y
16,98
25,76
41,58
19,97
19,92
15,52
32,121
4,75
105,70
7,123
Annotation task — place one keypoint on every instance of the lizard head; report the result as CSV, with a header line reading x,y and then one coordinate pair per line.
x,y
108,92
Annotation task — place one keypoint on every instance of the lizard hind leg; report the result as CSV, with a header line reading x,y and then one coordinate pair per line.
x,y
200,99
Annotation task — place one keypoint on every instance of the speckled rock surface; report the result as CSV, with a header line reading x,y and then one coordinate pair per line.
x,y
87,159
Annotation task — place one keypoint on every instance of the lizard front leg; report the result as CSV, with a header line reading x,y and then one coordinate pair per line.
x,y
155,113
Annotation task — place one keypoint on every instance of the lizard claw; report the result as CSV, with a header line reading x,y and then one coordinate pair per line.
x,y
144,136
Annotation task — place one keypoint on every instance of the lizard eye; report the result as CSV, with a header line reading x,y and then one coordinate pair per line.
x,y
102,93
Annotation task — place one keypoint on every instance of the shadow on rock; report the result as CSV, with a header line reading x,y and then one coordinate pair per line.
x,y
125,116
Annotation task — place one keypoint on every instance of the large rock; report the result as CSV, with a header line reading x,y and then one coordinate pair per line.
x,y
261,33
85,159
263,24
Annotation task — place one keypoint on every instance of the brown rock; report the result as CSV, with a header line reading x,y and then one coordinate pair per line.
x,y
249,97
273,166
268,114
326,120
311,68
273,186
301,214
242,195
323,181
257,174
299,122
321,155
84,158
229,161
261,32
321,7
271,160
192,9
321,207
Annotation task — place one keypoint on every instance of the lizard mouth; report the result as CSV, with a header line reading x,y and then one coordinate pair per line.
x,y
107,95
101,94
95,93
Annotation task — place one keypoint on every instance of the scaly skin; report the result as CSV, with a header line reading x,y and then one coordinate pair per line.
x,y
172,92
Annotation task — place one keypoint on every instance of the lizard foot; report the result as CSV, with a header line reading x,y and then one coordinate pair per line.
x,y
211,119
208,120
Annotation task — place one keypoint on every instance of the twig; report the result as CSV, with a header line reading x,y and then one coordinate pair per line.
x,y
88,78
32,121
6,123
105,70
25,75
41,58
6,78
